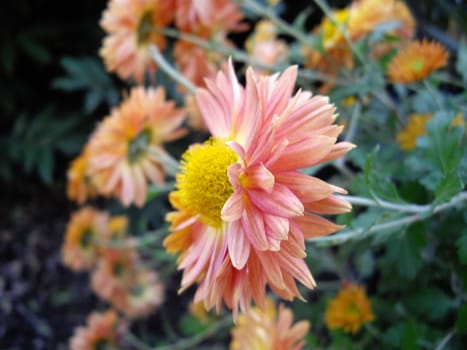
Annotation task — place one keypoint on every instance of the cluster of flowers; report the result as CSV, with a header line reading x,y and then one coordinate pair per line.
x,y
97,242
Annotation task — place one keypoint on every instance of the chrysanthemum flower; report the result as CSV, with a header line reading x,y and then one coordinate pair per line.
x,y
358,20
407,137
349,310
86,227
131,29
103,331
416,61
209,17
79,186
114,273
268,329
126,149
263,45
243,208
144,294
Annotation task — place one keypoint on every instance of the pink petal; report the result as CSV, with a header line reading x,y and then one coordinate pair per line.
x,y
253,226
281,201
316,226
233,207
307,188
239,246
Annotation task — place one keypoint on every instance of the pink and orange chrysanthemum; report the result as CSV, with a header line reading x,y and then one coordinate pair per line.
x,y
126,149
268,329
131,27
79,185
243,208
103,331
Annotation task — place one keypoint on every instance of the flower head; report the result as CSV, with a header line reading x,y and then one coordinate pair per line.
x,y
79,186
268,329
103,331
126,149
415,127
84,230
416,61
131,30
243,208
349,310
263,45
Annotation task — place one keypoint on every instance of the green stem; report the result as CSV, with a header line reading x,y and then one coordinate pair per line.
x,y
171,71
422,212
442,344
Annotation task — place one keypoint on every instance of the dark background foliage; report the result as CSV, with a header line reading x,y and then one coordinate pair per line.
x,y
52,92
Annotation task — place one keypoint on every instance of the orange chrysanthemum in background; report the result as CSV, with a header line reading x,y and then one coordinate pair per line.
x,y
131,27
103,331
358,20
268,329
349,310
84,231
416,61
79,186
126,149
243,208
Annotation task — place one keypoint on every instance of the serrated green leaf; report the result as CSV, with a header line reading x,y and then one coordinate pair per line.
x,y
461,321
450,185
405,251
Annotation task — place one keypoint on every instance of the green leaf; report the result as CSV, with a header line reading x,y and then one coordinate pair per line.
x,y
409,337
405,252
461,321
442,141
365,263
46,166
450,185
34,49
461,64
431,303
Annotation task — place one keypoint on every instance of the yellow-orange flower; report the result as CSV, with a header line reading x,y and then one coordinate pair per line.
x,y
131,29
415,127
263,45
103,331
358,20
79,186
407,137
268,329
416,61
84,230
349,310
126,149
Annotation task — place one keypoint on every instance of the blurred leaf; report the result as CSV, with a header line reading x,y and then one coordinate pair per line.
x,y
461,321
87,74
8,54
46,166
33,48
382,30
378,184
461,63
409,337
431,303
365,263
450,185
461,244
442,141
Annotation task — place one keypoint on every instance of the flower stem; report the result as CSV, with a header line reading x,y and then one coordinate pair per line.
x,y
171,71
421,212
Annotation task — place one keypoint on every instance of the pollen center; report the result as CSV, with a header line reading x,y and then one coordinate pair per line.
x,y
203,186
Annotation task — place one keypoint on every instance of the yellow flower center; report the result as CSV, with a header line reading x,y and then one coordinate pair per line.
x,y
331,31
137,147
204,187
86,238
417,65
145,28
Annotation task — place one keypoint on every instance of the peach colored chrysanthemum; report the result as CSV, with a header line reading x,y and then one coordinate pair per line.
x,y
358,20
144,294
416,61
131,28
126,149
349,310
263,45
208,17
268,329
104,330
243,208
84,230
79,186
